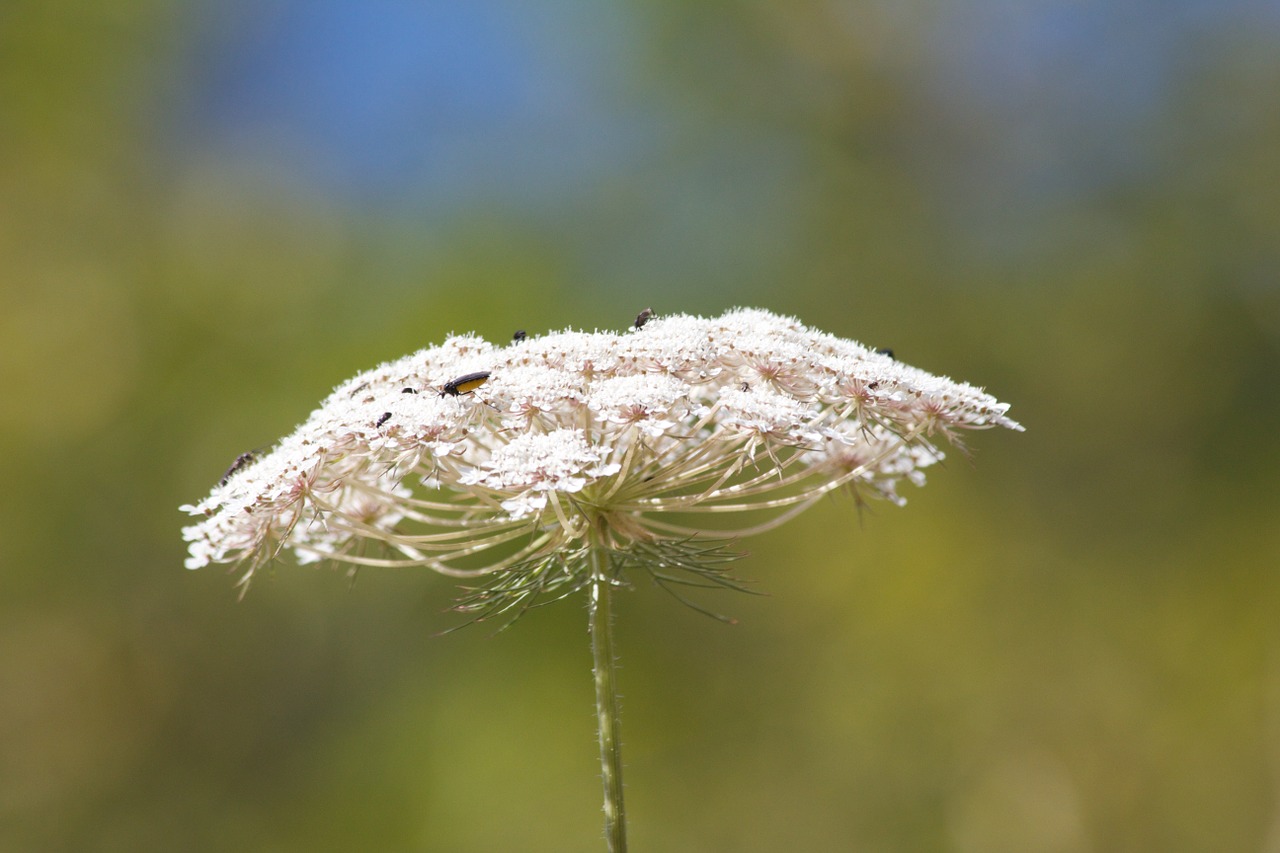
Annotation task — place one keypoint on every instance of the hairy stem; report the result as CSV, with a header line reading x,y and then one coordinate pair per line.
x,y
615,821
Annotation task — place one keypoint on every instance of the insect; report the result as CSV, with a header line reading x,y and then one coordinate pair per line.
x,y
386,416
465,384
242,462
519,336
885,351
643,317
408,390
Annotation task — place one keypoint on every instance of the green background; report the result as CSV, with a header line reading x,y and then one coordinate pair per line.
x,y
1069,645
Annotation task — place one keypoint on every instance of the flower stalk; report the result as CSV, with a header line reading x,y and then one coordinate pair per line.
x,y
603,668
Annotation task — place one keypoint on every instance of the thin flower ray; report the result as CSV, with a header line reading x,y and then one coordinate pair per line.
x,y
708,501
716,472
456,510
626,470
763,482
419,543
503,565
739,532
415,544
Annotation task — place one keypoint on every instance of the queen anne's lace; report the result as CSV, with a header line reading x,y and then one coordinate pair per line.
x,y
585,439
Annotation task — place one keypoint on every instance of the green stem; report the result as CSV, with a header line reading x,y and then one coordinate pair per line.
x,y
615,820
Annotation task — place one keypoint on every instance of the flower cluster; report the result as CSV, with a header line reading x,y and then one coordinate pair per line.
x,y
575,441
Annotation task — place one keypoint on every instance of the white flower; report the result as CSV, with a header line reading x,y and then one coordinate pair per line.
x,y
585,440
655,403
533,464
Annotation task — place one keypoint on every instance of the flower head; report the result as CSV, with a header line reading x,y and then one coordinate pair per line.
x,y
578,441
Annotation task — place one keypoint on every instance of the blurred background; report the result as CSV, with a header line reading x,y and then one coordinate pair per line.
x,y
212,213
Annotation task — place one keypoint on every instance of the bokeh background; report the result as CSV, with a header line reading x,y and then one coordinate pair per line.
x,y
213,212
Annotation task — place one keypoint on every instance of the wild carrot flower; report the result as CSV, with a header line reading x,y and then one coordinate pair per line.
x,y
560,462
581,440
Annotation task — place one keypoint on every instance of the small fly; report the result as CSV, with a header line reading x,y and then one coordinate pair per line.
x,y
465,384
386,416
519,336
643,317
242,462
